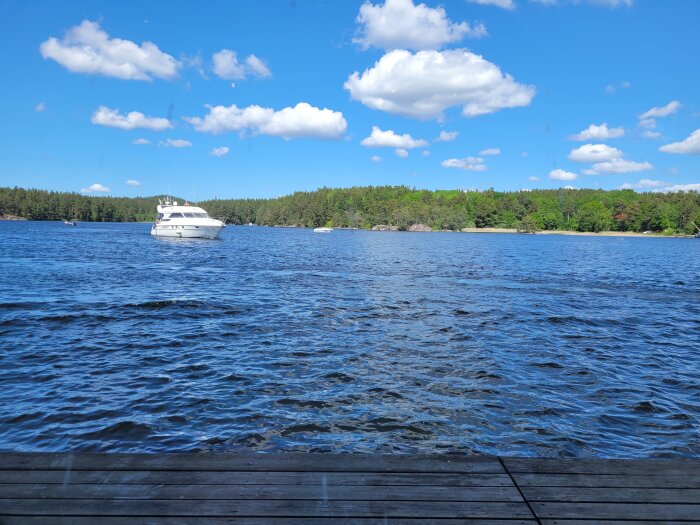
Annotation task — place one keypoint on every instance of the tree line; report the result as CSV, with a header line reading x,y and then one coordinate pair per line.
x,y
400,206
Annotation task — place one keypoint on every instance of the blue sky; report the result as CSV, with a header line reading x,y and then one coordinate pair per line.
x,y
260,99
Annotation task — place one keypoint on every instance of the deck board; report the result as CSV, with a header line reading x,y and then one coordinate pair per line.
x,y
279,489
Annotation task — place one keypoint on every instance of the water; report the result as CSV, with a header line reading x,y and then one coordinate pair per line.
x,y
282,339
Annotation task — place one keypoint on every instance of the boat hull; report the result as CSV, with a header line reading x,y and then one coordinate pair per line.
x,y
186,231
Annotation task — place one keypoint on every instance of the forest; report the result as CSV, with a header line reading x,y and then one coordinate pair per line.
x,y
400,206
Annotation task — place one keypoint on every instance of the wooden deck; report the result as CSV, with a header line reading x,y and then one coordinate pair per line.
x,y
198,489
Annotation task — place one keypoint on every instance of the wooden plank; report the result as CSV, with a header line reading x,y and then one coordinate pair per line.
x,y
607,480
616,511
271,508
614,495
260,492
77,520
646,467
252,478
617,522
251,462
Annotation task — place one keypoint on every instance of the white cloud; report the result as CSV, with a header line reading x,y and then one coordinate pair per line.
x,y
40,107
175,143
389,139
610,88
219,152
105,116
648,123
424,84
643,184
426,153
447,136
688,146
533,179
504,4
490,151
468,163
681,187
662,111
141,141
399,24
559,174
601,132
401,152
132,182
594,153
95,188
617,165
648,134
257,67
302,120
376,158
88,49
226,65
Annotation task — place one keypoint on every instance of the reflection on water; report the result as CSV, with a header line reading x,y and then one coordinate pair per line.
x,y
280,339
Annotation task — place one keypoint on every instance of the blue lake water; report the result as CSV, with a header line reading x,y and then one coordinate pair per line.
x,y
354,341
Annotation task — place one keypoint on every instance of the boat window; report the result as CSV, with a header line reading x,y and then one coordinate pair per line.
x,y
176,215
202,215
190,215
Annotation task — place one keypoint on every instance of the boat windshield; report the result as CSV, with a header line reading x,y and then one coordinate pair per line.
x,y
176,215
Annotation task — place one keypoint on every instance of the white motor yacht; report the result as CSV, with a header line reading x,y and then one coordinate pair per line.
x,y
185,221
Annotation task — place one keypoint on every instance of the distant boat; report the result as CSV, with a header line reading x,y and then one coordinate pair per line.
x,y
323,230
70,223
185,221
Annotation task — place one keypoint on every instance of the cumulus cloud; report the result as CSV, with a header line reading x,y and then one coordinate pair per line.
x,y
105,116
533,179
257,67
175,143
688,146
95,188
40,107
447,136
401,152
140,141
681,187
559,174
424,84
389,139
302,120
617,165
643,184
490,151
468,163
132,182
220,151
504,4
400,24
601,132
226,65
594,153
88,49
376,158
648,134
662,111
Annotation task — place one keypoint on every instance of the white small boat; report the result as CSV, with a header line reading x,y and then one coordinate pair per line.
x,y
323,229
70,223
185,221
